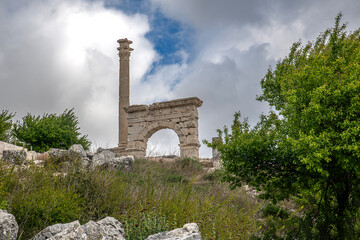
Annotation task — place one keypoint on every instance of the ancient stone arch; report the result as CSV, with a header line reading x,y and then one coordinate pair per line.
x,y
180,115
137,123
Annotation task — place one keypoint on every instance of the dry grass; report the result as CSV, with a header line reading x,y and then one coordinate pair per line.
x,y
153,197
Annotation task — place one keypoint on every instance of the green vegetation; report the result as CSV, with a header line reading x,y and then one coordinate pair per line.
x,y
305,154
5,125
147,200
309,149
50,131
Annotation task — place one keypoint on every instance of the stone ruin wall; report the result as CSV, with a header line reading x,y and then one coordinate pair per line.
x,y
180,115
137,123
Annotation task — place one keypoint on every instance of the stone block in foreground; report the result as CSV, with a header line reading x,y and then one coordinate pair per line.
x,y
8,226
189,231
107,228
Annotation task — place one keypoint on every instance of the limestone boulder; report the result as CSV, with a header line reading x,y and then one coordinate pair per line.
x,y
89,154
58,231
92,230
211,170
125,164
101,159
106,160
31,155
42,156
58,154
8,226
14,156
189,231
107,228
99,150
77,151
8,146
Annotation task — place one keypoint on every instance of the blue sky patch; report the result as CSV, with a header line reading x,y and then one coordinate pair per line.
x,y
168,36
129,6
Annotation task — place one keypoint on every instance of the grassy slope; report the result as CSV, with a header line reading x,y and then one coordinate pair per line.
x,y
154,197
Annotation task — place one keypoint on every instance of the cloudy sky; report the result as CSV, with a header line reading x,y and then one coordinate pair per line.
x,y
61,54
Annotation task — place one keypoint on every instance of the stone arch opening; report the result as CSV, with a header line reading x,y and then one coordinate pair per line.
x,y
156,126
163,142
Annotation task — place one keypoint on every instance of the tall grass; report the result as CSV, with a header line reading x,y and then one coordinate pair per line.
x,y
154,197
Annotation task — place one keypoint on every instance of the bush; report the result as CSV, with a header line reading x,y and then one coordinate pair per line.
x,y
103,193
273,210
310,147
50,131
4,204
5,125
37,200
278,223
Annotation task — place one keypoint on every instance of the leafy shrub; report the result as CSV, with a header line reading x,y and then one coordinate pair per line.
x,y
5,125
273,210
310,147
276,223
4,204
37,200
103,193
50,131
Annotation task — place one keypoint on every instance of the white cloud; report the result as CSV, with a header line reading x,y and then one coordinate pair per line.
x,y
234,44
157,86
226,87
62,54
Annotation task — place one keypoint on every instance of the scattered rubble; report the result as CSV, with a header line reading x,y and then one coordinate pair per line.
x,y
103,158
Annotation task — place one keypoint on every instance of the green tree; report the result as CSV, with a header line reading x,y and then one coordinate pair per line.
x,y
310,147
5,124
50,131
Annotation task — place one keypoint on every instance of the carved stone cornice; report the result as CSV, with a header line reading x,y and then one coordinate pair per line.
x,y
181,102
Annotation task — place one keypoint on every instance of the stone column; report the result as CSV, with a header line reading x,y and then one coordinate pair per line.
x,y
216,153
124,90
190,150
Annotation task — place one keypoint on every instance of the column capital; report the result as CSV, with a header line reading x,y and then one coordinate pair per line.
x,y
124,49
